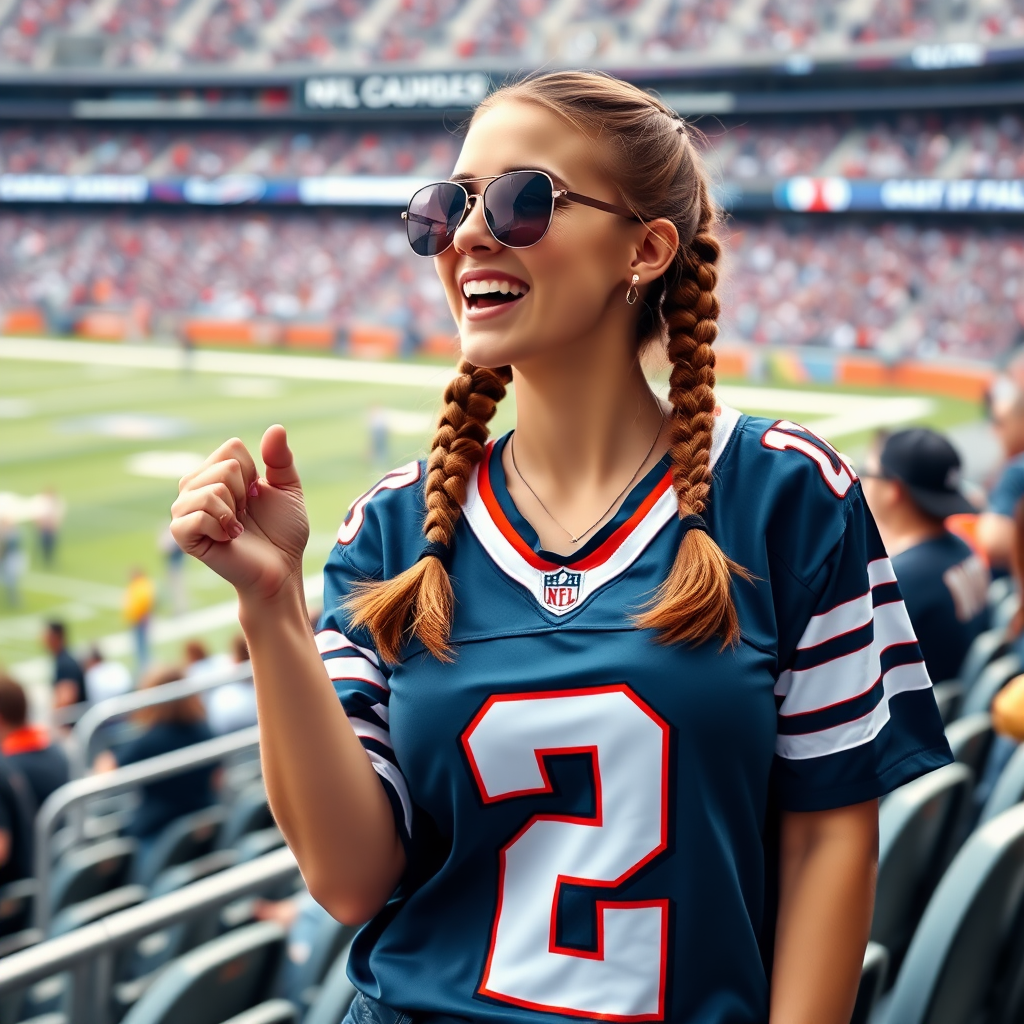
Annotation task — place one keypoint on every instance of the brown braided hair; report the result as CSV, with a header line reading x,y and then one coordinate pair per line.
x,y
419,601
648,151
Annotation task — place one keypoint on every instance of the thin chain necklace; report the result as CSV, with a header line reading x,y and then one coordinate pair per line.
x,y
576,539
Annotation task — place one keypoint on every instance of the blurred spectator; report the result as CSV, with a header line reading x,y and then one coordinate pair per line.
x,y
68,677
49,516
199,661
175,572
377,424
139,600
13,561
28,748
232,706
166,727
912,484
17,814
103,678
995,527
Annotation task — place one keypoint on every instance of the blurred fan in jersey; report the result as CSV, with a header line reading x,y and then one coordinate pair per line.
x,y
912,485
995,527
29,748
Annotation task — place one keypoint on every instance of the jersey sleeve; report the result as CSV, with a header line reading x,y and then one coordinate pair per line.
x,y
856,714
359,677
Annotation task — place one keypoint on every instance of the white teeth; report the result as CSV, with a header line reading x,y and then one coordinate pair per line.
x,y
494,286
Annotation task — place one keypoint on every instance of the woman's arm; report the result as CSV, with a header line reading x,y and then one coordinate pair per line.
x,y
323,791
827,868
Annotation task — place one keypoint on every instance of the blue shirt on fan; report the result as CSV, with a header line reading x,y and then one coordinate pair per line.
x,y
585,810
945,587
1009,488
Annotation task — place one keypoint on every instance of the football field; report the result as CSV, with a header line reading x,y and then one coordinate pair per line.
x,y
110,429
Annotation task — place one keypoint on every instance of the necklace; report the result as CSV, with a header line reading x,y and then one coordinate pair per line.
x,y
578,537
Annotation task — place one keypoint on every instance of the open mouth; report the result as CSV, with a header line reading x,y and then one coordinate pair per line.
x,y
498,291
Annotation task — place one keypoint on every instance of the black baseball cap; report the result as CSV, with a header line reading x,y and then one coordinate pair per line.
x,y
928,467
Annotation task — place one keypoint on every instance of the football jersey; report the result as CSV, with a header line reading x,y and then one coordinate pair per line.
x,y
586,812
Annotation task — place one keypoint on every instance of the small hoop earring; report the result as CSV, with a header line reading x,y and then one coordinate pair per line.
x,y
632,290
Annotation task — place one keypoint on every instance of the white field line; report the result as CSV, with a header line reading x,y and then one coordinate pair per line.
x,y
153,357
76,590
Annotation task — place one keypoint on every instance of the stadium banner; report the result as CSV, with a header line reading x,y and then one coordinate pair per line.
x,y
457,90
837,195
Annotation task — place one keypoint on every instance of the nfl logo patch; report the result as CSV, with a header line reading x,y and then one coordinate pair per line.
x,y
562,588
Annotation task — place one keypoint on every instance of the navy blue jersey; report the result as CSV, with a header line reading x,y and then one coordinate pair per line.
x,y
584,809
945,586
1009,488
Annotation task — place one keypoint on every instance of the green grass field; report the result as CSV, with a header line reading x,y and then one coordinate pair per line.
x,y
52,435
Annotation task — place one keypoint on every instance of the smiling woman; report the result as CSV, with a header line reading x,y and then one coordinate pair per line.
x,y
597,715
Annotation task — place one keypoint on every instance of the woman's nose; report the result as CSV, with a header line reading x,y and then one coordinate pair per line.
x,y
472,234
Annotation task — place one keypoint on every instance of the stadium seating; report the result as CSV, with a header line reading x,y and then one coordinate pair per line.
x,y
969,739
948,695
872,980
1008,789
992,679
16,905
182,840
217,981
249,812
335,995
919,826
967,954
91,870
315,942
86,911
986,647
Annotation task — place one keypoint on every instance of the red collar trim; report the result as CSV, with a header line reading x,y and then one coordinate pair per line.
x,y
26,740
597,557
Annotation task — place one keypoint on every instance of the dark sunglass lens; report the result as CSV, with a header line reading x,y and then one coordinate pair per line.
x,y
518,208
433,216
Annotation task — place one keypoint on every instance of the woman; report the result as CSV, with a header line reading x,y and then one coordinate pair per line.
x,y
561,652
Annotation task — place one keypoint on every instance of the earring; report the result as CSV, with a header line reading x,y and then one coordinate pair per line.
x,y
632,290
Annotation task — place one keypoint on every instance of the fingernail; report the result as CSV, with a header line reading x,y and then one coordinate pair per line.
x,y
254,491
237,530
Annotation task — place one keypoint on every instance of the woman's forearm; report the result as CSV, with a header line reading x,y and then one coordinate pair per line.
x,y
828,865
323,791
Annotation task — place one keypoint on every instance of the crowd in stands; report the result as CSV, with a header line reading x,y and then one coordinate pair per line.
x,y
261,33
957,146
166,153
902,289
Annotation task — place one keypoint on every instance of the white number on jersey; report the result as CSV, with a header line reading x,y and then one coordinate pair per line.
x,y
624,978
786,435
395,480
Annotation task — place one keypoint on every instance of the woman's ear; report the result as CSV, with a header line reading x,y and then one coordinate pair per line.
x,y
656,249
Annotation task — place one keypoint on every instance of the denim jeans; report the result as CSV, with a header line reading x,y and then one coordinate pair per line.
x,y
365,1010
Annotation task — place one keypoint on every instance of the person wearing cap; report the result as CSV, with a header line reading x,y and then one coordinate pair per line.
x,y
996,532
911,481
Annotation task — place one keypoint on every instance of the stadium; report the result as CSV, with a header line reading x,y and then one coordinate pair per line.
x,y
201,235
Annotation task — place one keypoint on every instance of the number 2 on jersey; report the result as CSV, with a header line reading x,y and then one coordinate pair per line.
x,y
507,743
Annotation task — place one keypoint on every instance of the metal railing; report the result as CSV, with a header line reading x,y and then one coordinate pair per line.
x,y
88,952
70,797
80,752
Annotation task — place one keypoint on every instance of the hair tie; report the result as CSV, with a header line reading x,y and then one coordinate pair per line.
x,y
435,549
693,522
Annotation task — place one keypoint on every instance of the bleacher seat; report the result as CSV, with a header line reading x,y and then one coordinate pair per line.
x,y
995,675
87,911
948,695
969,739
91,870
335,995
1008,789
919,826
999,589
964,964
985,647
872,979
19,940
273,1011
215,982
16,905
1004,611
184,839
248,813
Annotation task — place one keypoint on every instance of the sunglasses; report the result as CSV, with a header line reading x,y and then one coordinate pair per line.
x,y
518,207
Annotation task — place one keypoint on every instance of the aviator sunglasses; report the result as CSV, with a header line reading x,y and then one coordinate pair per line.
x,y
518,207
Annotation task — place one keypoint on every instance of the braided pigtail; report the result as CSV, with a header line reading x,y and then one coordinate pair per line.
x,y
419,601
695,601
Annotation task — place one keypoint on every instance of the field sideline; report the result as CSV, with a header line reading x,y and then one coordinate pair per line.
x,y
92,420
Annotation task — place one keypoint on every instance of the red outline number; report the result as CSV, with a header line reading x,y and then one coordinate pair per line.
x,y
781,437
507,744
406,476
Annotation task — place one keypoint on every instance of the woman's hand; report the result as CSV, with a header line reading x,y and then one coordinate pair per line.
x,y
250,530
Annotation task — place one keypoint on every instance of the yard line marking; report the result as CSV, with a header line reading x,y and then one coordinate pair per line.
x,y
152,357
78,590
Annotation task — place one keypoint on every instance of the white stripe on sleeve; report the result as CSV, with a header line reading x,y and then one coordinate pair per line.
x,y
355,668
387,770
842,619
880,571
364,730
328,640
899,679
